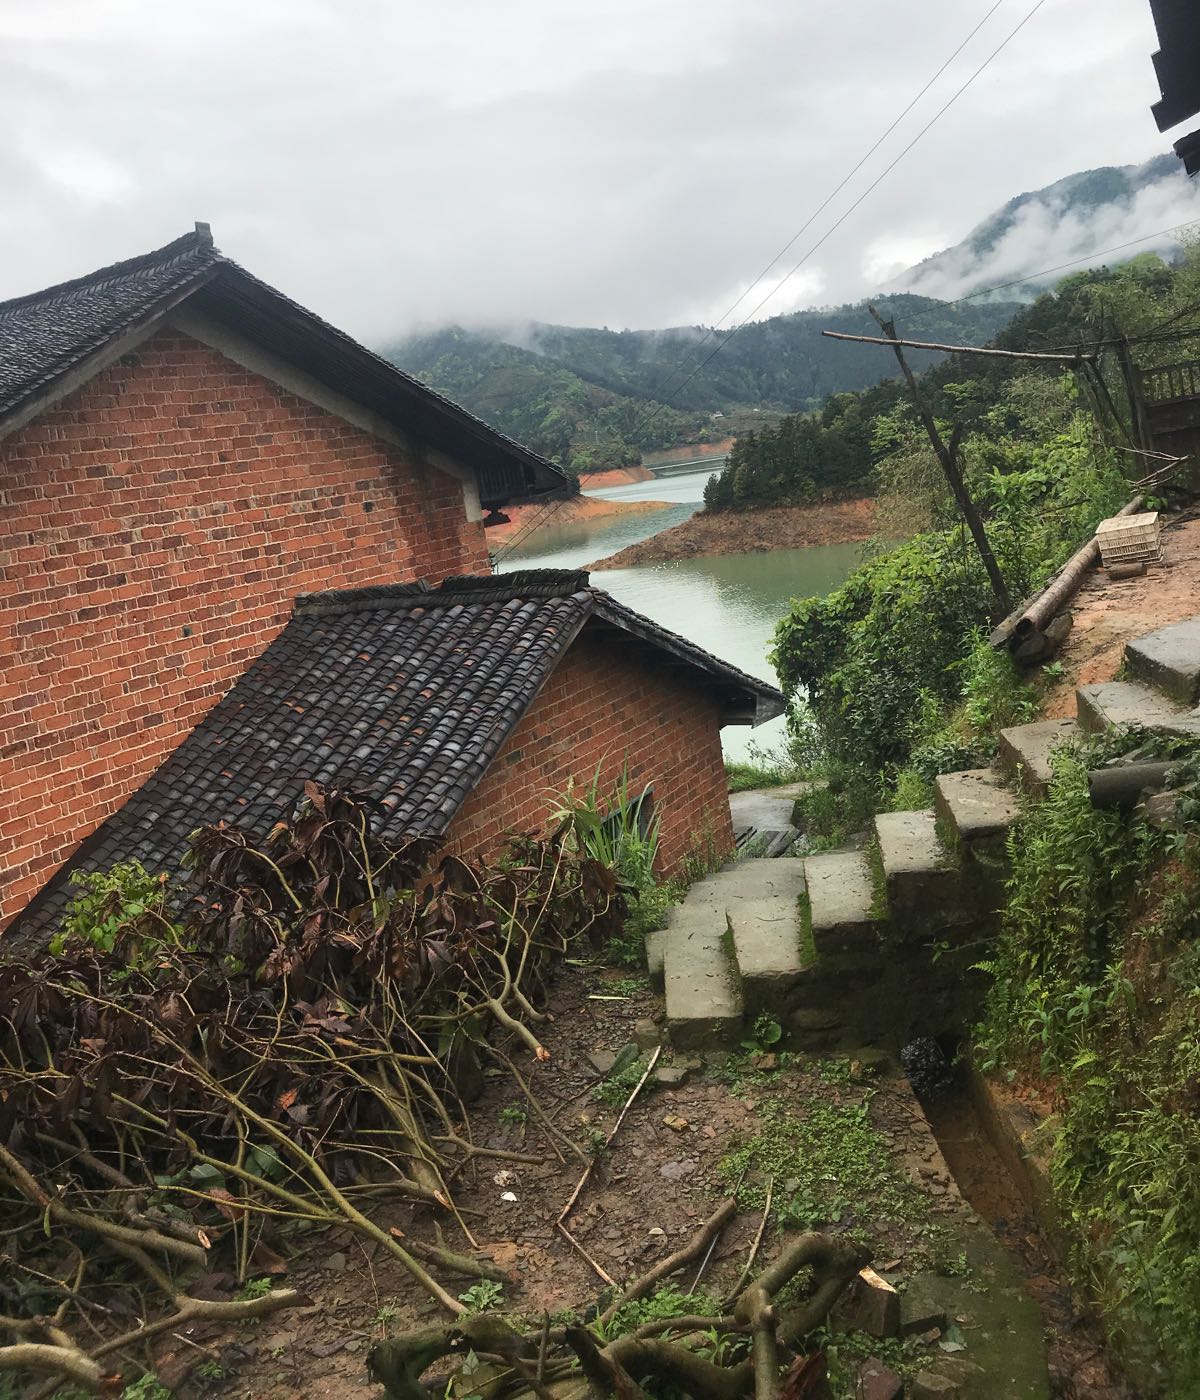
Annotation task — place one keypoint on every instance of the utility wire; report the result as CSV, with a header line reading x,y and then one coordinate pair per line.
x,y
537,522
872,186
825,203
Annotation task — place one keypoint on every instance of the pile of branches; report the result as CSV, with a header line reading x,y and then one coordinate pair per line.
x,y
759,1344
186,1073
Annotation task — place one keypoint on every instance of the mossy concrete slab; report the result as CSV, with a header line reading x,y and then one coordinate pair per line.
x,y
1026,749
700,977
762,901
1130,704
976,804
842,901
1169,659
758,901
919,873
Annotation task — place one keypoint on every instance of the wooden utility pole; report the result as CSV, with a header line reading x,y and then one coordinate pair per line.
x,y
947,455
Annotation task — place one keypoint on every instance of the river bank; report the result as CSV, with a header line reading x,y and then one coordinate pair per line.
x,y
579,508
751,532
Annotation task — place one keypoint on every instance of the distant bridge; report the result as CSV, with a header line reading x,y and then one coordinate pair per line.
x,y
713,463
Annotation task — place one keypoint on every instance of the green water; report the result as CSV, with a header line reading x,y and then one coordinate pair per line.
x,y
729,604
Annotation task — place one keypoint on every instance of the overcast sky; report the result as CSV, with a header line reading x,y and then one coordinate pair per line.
x,y
626,163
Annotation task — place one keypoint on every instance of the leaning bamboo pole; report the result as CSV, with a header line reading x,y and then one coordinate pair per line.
x,y
1035,614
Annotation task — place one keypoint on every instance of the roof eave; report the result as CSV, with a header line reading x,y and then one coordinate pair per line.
x,y
506,470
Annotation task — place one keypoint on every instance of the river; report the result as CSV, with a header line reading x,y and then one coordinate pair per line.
x,y
729,604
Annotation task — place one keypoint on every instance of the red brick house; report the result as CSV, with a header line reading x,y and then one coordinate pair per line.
x,y
183,451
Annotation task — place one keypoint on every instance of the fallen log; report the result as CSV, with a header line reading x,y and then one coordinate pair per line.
x,y
1035,614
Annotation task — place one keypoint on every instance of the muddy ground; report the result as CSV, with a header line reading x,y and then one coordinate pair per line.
x,y
650,1191
1108,612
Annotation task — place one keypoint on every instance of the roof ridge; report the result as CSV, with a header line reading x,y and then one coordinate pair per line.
x,y
197,240
451,592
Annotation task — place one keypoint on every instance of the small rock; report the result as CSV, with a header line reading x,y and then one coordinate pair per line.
x,y
646,1035
709,1131
676,1171
671,1076
657,1231
812,1018
602,1061
869,1305
336,1263
768,1061
877,1381
677,1124
870,1064
929,1386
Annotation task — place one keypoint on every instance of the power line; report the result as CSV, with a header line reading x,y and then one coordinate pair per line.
x,y
828,200
872,186
504,552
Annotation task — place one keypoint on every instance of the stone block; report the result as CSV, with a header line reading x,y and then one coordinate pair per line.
x,y
1169,659
870,1305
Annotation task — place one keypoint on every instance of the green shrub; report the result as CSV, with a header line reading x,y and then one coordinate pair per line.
x,y
1096,987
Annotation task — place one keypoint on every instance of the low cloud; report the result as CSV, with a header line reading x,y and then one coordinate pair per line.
x,y
1049,233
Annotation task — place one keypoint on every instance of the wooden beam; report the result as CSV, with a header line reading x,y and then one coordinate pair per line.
x,y
947,455
1075,359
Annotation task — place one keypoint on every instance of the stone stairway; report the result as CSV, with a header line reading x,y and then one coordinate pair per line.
x,y
839,946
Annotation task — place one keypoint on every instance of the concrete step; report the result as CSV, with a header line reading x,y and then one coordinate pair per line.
x,y
842,904
1122,704
919,873
700,976
976,806
761,900
1169,659
1025,751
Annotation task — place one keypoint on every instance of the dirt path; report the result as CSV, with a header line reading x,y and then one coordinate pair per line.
x,y
868,1163
1107,613
746,532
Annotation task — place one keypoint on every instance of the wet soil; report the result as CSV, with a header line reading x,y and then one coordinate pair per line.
x,y
1107,613
648,1194
1079,1368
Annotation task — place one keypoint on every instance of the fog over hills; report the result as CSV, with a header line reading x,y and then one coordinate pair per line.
x,y
1060,223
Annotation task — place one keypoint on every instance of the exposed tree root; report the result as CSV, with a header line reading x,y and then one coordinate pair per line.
x,y
616,1368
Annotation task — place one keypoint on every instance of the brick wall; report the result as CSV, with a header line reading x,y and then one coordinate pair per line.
x,y
154,528
607,705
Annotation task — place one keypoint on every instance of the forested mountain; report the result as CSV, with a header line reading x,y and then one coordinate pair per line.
x,y
1058,223
587,397
838,450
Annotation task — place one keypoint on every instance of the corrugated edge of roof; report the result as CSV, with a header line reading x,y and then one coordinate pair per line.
x,y
193,275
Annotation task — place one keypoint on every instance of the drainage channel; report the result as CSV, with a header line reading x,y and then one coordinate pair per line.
x,y
1079,1367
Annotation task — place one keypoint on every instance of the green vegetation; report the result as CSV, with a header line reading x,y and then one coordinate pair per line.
x,y
590,399
891,678
485,1296
829,1166
666,1301
1097,990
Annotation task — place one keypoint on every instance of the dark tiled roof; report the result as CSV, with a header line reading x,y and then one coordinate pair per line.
x,y
47,334
402,692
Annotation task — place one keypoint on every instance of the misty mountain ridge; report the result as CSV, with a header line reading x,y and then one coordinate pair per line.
x,y
1064,221
590,397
